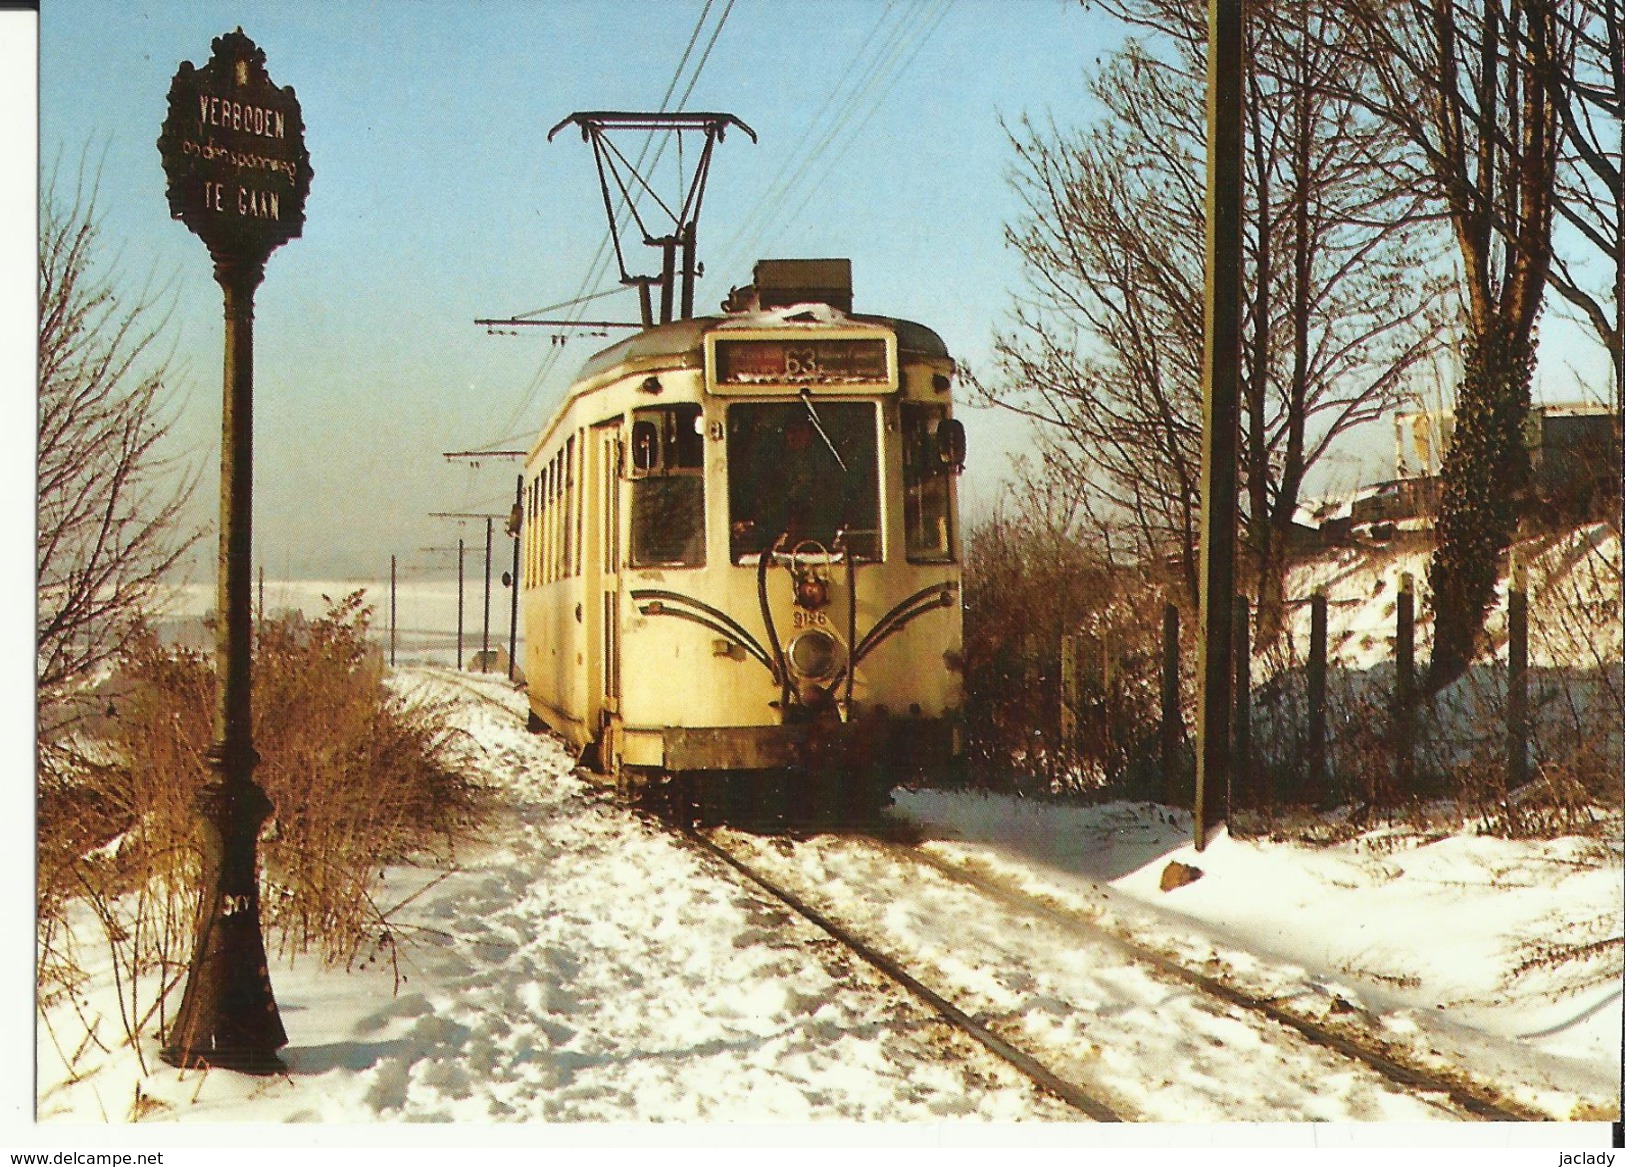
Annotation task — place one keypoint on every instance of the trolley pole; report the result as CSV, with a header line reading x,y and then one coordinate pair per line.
x,y
1221,401
228,1016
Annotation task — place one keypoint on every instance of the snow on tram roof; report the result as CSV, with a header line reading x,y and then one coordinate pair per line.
x,y
687,337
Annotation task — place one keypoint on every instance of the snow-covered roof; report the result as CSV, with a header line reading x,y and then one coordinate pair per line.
x,y
684,340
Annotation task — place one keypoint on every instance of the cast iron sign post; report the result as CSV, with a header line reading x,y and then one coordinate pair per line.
x,y
233,149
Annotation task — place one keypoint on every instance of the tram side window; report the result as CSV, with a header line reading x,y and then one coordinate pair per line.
x,y
668,486
567,566
927,513
806,474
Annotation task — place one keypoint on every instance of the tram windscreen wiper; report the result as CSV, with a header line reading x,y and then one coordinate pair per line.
x,y
818,424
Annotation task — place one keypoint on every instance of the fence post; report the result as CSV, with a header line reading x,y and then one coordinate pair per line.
x,y
1405,687
1317,696
1069,692
1241,742
1518,678
1108,753
1170,704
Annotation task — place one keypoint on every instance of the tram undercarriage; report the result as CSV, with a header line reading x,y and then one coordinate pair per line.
x,y
819,773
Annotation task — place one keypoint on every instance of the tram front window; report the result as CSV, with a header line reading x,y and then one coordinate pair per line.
x,y
804,470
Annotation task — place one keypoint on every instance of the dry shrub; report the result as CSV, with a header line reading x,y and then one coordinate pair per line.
x,y
1034,580
359,777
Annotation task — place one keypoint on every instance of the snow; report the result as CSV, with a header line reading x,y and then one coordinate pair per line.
x,y
1574,605
576,964
809,314
425,610
579,964
1420,934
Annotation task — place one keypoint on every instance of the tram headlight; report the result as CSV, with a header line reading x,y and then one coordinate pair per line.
x,y
815,655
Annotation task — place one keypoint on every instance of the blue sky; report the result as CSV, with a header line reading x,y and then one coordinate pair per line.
x,y
437,199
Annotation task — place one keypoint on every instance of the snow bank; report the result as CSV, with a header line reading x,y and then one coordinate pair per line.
x,y
1421,935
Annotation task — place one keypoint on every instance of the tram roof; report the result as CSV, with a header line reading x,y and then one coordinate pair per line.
x,y
687,338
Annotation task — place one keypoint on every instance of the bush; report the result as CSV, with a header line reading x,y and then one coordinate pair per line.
x,y
359,778
1032,583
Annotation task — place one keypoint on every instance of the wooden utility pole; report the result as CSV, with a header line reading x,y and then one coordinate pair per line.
x,y
485,645
1241,790
485,632
1404,721
1221,404
475,457
1171,727
1517,770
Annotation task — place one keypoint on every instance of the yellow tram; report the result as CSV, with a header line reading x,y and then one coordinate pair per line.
x,y
740,547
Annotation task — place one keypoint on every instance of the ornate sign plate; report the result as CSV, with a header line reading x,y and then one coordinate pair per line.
x,y
233,148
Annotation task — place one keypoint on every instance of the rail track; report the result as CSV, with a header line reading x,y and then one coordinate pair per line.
x,y
1073,1094
1078,1097
1469,1097
1463,1097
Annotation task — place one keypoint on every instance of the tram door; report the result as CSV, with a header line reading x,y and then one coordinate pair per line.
x,y
605,676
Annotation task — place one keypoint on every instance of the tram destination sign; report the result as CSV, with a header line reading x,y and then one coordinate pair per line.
x,y
829,363
233,148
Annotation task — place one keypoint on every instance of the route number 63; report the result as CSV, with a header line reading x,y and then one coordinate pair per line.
x,y
800,362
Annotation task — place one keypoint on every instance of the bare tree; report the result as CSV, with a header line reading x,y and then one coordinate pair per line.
x,y
1461,80
1583,70
1107,346
109,502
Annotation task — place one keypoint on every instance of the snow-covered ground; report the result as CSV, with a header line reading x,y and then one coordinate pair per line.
x,y
1417,935
579,965
1572,580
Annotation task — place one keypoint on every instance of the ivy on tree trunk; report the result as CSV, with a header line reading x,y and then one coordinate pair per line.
x,y
1483,481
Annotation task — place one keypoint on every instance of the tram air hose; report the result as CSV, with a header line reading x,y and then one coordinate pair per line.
x,y
780,665
851,622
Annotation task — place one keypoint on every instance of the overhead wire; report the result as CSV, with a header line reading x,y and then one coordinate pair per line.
x,y
881,71
866,58
596,266
920,39
890,47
